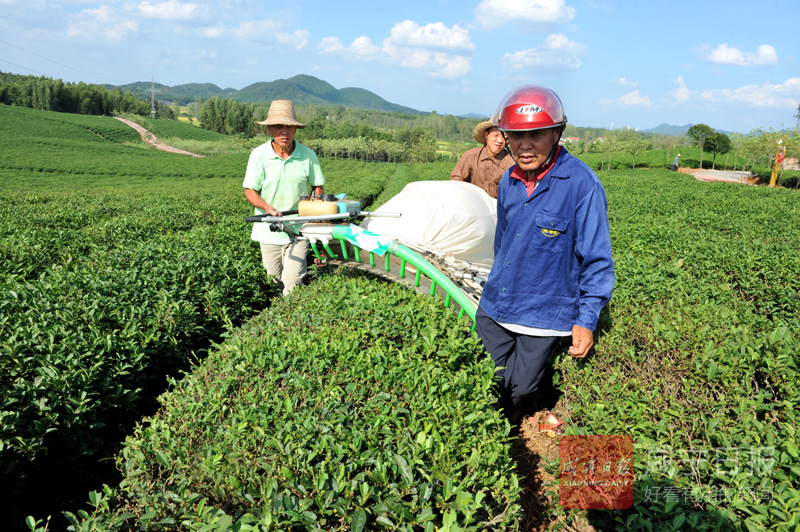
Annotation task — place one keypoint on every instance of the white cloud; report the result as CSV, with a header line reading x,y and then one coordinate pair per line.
x,y
634,99
783,96
117,32
440,64
362,47
409,33
168,10
492,14
214,33
681,93
260,31
411,46
116,25
729,55
255,29
556,52
452,66
298,38
102,21
331,45
622,82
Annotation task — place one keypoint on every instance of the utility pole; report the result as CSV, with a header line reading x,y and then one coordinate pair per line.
x,y
153,90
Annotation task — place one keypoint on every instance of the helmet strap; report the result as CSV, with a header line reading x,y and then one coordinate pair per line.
x,y
549,161
550,158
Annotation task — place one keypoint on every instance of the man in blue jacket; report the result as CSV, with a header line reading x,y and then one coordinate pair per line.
x,y
553,271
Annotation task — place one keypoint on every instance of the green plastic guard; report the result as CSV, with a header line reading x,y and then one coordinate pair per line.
x,y
408,255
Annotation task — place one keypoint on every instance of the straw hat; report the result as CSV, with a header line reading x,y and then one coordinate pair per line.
x,y
281,112
479,131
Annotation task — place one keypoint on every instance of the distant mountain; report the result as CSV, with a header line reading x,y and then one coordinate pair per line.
x,y
301,89
677,131
182,93
668,129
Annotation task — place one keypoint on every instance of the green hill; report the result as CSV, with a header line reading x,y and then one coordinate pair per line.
x,y
184,94
677,131
668,129
301,89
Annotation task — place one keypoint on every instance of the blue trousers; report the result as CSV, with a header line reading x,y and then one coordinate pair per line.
x,y
521,359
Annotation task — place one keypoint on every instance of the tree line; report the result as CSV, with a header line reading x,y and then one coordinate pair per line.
x,y
81,98
756,150
349,133
331,131
337,132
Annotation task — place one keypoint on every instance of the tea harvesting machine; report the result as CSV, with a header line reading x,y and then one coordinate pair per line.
x,y
427,237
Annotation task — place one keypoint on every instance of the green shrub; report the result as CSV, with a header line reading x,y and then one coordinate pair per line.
x,y
349,405
164,129
697,359
109,279
97,307
697,352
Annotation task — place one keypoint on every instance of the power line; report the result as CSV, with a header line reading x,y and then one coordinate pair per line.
x,y
40,37
56,62
20,66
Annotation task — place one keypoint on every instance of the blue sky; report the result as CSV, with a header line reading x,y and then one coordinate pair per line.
x,y
731,65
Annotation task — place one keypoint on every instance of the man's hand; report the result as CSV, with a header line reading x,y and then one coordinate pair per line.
x,y
257,201
582,341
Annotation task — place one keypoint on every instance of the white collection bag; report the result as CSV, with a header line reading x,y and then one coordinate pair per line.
x,y
452,220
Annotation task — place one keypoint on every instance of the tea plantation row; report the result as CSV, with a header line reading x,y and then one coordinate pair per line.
x,y
374,404
351,404
119,265
696,361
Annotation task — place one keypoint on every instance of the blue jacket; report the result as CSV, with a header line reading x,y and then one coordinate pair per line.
x,y
552,267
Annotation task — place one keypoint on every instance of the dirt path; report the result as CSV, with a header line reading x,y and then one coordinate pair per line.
x,y
151,139
729,176
531,450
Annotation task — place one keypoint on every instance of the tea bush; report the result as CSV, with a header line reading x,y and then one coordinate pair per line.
x,y
360,180
405,174
96,305
166,129
697,359
350,405
40,143
118,265
109,280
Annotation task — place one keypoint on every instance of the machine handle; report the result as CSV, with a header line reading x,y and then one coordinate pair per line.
x,y
260,217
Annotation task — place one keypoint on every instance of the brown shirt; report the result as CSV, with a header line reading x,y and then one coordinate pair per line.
x,y
476,166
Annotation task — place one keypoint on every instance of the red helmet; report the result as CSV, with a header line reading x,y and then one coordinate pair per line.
x,y
529,107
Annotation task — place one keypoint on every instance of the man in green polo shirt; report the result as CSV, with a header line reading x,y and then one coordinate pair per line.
x,y
278,173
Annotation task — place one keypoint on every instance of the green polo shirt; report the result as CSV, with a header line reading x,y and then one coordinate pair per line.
x,y
281,183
